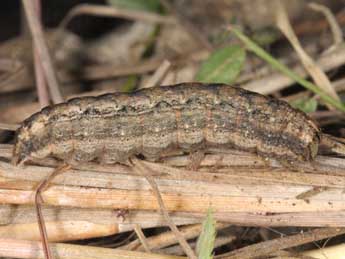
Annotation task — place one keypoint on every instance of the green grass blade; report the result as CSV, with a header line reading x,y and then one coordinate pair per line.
x,y
252,46
205,244
139,5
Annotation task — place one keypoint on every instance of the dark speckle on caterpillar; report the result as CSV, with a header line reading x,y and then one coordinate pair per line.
x,y
114,127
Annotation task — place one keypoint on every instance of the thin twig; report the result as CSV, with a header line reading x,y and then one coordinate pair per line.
x,y
313,69
38,201
332,21
143,171
42,50
268,247
142,238
41,83
168,238
158,75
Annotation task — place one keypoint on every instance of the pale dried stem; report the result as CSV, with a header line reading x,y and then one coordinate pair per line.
x,y
332,21
270,246
297,219
59,230
12,214
313,69
237,194
65,224
144,200
42,50
182,241
31,249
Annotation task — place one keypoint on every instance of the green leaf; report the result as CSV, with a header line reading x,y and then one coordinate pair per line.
x,y
140,5
205,244
223,66
305,104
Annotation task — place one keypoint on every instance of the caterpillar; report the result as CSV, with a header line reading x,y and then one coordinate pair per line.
x,y
190,116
